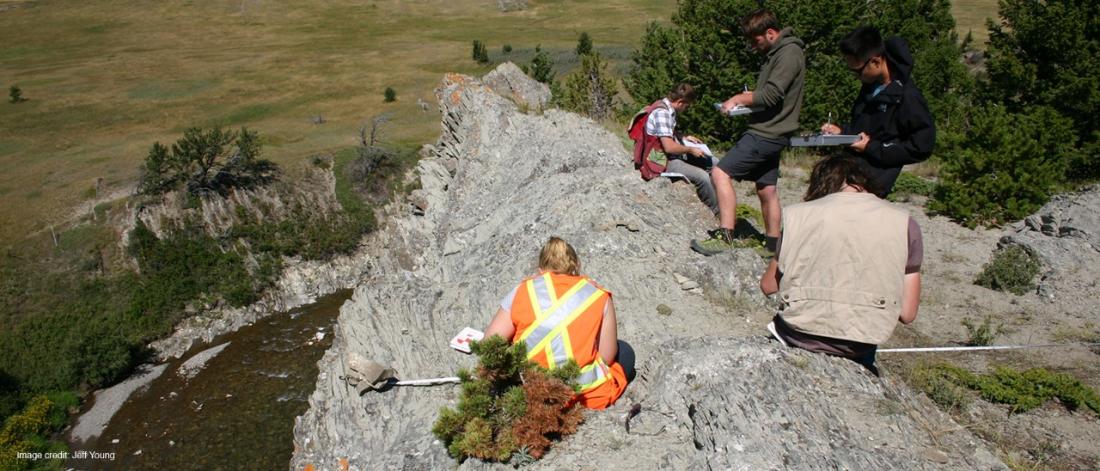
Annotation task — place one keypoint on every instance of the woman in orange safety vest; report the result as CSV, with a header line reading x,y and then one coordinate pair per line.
x,y
561,316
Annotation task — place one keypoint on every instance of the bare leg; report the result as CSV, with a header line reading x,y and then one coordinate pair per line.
x,y
769,205
727,198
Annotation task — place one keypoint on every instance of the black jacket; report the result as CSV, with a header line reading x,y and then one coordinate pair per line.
x,y
897,119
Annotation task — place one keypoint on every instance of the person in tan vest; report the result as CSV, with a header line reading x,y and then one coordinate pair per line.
x,y
847,266
564,316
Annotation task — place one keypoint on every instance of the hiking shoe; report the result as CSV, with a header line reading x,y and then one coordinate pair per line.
x,y
721,240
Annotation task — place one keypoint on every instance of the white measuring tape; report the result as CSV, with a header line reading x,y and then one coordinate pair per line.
x,y
990,347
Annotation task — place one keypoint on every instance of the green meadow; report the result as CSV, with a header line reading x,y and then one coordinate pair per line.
x,y
105,79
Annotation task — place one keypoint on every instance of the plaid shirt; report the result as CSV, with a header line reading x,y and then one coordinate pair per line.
x,y
662,121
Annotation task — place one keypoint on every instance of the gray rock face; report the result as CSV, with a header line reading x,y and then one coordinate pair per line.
x,y
500,183
1065,234
747,403
509,81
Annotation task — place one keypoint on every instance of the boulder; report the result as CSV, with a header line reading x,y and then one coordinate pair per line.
x,y
1065,235
509,81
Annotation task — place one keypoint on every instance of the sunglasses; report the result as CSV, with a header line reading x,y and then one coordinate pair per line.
x,y
859,70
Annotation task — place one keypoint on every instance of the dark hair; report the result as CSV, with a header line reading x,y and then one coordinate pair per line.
x,y
758,22
863,43
832,173
682,91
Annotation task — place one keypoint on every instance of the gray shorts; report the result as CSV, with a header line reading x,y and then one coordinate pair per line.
x,y
754,158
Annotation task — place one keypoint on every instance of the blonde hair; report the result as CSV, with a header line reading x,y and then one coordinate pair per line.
x,y
559,257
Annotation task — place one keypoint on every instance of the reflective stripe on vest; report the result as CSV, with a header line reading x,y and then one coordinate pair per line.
x,y
549,333
593,375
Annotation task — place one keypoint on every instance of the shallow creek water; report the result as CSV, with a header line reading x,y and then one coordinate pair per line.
x,y
238,412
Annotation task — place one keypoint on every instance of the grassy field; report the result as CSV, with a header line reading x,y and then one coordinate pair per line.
x,y
970,15
105,79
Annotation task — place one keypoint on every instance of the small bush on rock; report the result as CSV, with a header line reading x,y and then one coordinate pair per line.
x,y
510,406
1011,269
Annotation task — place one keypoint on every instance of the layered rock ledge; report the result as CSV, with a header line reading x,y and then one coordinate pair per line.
x,y
714,393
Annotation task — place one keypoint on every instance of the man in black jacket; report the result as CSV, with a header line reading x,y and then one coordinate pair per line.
x,y
890,115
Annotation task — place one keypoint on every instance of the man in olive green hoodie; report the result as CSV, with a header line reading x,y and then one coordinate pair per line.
x,y
777,100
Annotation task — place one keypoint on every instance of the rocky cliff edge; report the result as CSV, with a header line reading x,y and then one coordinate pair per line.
x,y
714,392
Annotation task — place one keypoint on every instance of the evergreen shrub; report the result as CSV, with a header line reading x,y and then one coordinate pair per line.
x,y
207,161
479,52
584,44
1012,269
589,89
1008,168
15,94
1048,54
541,67
509,407
1023,390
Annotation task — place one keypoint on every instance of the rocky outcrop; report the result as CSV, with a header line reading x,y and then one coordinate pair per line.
x,y
301,282
713,392
1065,235
509,81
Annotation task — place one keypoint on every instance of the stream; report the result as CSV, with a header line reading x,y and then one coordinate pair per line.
x,y
237,412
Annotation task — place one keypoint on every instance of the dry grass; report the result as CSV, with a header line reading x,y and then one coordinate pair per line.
x,y
970,15
104,80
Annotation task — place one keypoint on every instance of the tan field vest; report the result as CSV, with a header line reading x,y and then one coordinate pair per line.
x,y
843,264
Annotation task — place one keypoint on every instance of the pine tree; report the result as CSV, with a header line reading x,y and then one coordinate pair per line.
x,y
480,53
541,67
15,94
589,89
1048,54
584,45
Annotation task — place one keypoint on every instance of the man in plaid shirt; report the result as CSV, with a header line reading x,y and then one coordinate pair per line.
x,y
692,162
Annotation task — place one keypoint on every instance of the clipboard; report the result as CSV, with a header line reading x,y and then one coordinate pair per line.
x,y
819,140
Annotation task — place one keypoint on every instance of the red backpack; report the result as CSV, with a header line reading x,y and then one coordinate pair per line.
x,y
649,156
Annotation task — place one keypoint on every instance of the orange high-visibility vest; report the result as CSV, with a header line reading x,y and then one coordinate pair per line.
x,y
559,318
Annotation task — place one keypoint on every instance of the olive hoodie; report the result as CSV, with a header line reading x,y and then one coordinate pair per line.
x,y
779,89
